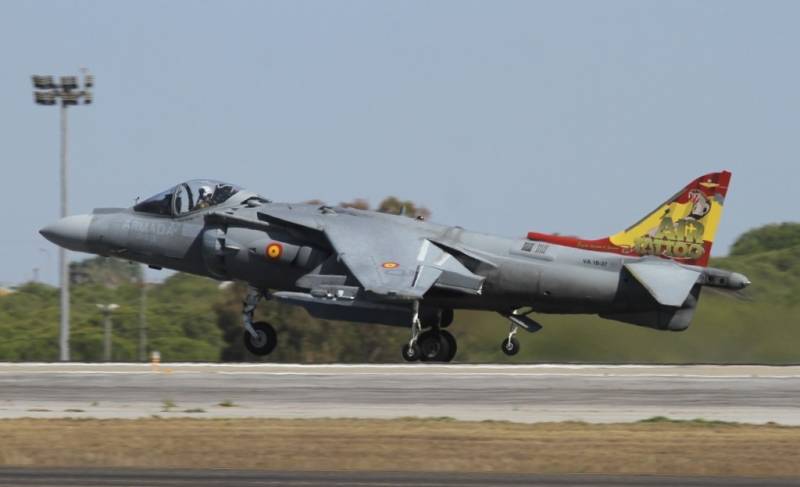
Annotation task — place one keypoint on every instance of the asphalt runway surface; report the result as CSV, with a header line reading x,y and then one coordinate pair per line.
x,y
206,478
522,393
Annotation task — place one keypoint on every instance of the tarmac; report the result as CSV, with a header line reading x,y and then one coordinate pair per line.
x,y
520,393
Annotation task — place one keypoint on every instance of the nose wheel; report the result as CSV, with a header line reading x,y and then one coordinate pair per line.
x,y
263,341
259,337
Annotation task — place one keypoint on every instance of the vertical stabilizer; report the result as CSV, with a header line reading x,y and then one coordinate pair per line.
x,y
682,228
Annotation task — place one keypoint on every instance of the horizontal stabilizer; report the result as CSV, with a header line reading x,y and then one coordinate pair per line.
x,y
668,282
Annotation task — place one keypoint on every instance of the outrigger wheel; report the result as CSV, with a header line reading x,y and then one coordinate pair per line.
x,y
264,341
510,346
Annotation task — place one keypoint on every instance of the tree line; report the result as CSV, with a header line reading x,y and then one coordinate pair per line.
x,y
189,318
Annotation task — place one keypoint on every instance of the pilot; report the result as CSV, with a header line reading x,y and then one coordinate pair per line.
x,y
204,195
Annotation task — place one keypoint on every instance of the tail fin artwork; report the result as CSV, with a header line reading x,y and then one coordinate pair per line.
x,y
681,229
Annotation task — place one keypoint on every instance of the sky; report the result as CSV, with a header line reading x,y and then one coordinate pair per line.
x,y
576,117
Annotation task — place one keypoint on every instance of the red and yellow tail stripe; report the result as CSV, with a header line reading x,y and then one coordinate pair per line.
x,y
682,228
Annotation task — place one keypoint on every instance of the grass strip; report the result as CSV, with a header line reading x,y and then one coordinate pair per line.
x,y
655,446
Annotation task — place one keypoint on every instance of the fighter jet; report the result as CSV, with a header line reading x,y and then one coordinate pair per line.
x,y
362,266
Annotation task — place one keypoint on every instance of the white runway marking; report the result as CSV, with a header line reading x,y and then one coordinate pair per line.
x,y
465,370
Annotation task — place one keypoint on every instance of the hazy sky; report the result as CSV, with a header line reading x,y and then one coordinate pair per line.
x,y
505,117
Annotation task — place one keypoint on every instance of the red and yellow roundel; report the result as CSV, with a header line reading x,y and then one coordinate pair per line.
x,y
390,265
274,250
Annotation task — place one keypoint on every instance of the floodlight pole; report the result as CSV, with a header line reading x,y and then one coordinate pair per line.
x,y
50,92
143,316
63,262
107,336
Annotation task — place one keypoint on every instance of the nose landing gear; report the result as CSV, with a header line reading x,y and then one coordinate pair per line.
x,y
259,337
264,340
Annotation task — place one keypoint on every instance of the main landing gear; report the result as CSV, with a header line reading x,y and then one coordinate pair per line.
x,y
510,345
259,337
433,344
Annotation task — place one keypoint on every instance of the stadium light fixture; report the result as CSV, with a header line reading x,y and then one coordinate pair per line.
x,y
69,82
43,82
45,98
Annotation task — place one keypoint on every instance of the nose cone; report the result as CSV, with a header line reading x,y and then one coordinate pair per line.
x,y
739,281
71,232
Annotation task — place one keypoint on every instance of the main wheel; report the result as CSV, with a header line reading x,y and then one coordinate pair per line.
x,y
434,346
411,353
510,346
452,346
265,340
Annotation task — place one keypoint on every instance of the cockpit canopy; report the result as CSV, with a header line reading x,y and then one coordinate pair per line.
x,y
187,197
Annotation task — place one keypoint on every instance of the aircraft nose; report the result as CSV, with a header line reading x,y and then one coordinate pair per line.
x,y
739,281
71,232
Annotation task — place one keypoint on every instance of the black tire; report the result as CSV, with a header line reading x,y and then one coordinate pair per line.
x,y
411,354
510,347
452,346
447,318
434,347
265,342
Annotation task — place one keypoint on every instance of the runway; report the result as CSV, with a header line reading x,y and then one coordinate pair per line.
x,y
207,478
521,393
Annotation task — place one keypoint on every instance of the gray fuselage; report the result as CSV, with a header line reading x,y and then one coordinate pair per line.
x,y
227,242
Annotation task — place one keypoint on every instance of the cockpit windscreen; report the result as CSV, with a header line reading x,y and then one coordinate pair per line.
x,y
160,204
187,197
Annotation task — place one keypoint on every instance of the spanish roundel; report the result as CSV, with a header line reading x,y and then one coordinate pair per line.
x,y
274,250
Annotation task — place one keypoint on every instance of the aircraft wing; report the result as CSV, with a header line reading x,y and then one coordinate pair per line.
x,y
394,261
668,282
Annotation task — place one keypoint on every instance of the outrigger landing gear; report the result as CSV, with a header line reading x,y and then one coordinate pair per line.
x,y
259,337
411,351
510,345
431,345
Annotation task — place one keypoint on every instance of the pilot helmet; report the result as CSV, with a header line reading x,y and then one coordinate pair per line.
x,y
205,191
